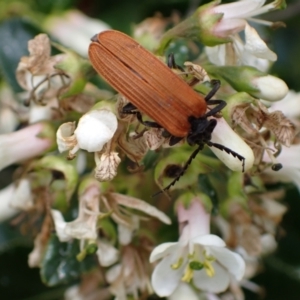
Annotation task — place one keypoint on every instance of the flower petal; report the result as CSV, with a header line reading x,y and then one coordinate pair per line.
x,y
162,250
165,279
239,9
60,226
216,284
107,254
209,240
255,45
184,291
233,262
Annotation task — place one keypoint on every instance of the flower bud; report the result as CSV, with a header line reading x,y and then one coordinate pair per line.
x,y
95,129
256,83
106,166
199,25
270,88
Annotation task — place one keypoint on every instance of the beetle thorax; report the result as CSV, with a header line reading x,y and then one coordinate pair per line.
x,y
201,130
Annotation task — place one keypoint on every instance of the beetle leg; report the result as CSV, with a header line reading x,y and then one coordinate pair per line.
x,y
129,108
220,105
184,168
146,123
174,140
229,151
215,86
172,64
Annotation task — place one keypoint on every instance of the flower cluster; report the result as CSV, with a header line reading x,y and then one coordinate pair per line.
x,y
87,187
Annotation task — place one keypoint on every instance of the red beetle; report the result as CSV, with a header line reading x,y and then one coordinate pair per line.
x,y
155,90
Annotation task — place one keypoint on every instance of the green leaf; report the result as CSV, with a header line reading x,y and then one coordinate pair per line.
x,y
150,160
201,164
60,266
11,238
14,36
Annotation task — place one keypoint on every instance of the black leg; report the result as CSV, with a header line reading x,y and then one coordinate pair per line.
x,y
172,64
174,140
129,108
220,105
229,151
215,86
146,123
184,168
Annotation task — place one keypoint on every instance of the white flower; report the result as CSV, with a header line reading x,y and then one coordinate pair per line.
x,y
253,52
106,253
74,29
95,129
290,171
24,144
223,134
197,256
289,105
235,14
184,291
83,228
270,88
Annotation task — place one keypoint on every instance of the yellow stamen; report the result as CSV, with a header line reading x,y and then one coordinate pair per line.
x,y
210,271
178,264
188,274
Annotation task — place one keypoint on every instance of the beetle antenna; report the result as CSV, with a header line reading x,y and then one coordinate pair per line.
x,y
229,151
184,168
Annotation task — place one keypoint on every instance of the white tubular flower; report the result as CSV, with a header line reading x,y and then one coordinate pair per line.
x,y
198,256
95,129
224,135
24,144
214,24
270,88
235,14
74,24
253,52
290,172
289,105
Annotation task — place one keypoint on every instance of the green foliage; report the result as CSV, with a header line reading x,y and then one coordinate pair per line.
x,y
60,264
14,36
